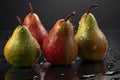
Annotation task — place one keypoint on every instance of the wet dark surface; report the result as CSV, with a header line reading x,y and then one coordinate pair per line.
x,y
106,69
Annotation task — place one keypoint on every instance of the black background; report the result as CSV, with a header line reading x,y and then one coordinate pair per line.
x,y
49,11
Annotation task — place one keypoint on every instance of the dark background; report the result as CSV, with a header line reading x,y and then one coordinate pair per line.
x,y
49,11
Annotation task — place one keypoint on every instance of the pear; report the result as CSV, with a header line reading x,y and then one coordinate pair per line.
x,y
35,26
92,43
21,50
60,47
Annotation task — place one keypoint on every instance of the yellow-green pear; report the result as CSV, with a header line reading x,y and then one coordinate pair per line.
x,y
92,42
21,50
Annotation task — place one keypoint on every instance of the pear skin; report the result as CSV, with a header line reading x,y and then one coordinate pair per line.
x,y
92,42
33,23
59,46
21,50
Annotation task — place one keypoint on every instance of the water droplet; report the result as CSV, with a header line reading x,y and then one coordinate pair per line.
x,y
109,48
81,38
42,63
95,46
88,28
111,73
73,26
73,49
88,76
77,59
62,74
73,62
45,59
35,77
110,65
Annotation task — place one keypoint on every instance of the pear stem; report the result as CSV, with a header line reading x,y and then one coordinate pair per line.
x,y
69,16
92,6
31,8
19,20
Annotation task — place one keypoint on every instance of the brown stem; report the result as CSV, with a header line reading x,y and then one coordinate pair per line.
x,y
92,6
19,20
31,8
69,16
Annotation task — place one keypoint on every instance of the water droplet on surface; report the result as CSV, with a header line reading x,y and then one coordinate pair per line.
x,y
73,49
110,65
88,76
94,47
73,62
62,74
73,26
35,78
45,59
81,38
88,28
42,63
110,73
77,59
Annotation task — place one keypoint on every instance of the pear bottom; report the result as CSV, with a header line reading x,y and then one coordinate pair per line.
x,y
92,51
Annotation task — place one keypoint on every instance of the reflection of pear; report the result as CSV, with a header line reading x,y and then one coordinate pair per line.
x,y
60,73
91,41
20,74
87,68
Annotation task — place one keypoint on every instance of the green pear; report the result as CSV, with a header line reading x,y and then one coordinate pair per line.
x,y
21,50
91,41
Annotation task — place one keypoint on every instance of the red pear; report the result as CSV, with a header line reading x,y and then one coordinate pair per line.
x,y
35,26
59,46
